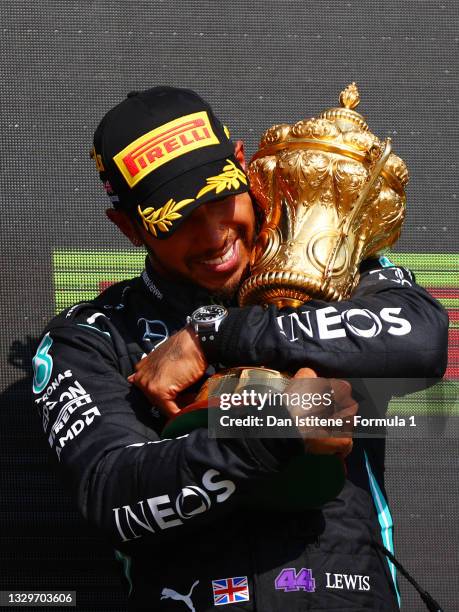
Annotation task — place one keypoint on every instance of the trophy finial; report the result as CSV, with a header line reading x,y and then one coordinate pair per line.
x,y
350,97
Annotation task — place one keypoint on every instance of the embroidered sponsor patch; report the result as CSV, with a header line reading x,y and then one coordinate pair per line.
x,y
329,323
290,580
98,160
155,332
163,144
164,511
349,582
401,276
168,593
230,590
42,365
385,262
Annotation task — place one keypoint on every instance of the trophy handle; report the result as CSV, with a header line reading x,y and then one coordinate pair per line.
x,y
356,210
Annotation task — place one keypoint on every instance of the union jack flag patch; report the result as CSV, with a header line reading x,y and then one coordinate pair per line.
x,y
230,590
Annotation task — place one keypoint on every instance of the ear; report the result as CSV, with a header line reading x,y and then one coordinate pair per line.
x,y
126,225
239,153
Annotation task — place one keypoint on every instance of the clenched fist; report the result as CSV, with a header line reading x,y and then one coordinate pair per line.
x,y
323,440
170,369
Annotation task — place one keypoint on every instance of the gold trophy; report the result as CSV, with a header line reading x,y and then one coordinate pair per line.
x,y
332,194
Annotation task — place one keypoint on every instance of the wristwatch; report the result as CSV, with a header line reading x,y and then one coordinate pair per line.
x,y
206,320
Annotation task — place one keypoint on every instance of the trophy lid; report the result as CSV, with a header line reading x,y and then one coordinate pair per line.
x,y
340,130
345,115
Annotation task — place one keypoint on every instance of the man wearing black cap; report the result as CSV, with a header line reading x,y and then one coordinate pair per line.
x,y
178,511
164,174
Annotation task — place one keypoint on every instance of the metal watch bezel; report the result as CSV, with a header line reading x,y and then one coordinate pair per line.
x,y
202,328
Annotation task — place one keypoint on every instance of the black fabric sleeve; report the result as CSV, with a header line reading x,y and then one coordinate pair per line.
x,y
390,327
127,481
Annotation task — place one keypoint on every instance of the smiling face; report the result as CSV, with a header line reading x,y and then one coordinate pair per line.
x,y
211,248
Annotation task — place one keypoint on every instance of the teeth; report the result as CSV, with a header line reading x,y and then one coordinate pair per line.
x,y
224,258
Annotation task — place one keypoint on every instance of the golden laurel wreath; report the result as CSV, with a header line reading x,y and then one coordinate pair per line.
x,y
162,218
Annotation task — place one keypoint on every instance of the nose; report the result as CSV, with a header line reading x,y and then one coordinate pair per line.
x,y
212,222
213,235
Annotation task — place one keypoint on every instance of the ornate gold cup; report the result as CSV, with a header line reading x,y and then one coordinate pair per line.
x,y
332,195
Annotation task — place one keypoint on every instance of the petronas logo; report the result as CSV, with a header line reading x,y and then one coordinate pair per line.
x,y
42,365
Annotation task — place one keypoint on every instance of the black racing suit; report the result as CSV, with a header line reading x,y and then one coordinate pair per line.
x,y
175,510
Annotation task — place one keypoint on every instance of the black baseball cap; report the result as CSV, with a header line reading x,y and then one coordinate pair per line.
x,y
162,152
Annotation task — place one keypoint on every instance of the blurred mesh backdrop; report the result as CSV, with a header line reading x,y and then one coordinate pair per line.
x,y
259,63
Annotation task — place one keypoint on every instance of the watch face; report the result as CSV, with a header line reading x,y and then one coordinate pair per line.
x,y
208,313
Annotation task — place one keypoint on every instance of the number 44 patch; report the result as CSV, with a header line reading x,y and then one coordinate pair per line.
x,y
290,580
